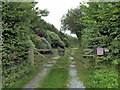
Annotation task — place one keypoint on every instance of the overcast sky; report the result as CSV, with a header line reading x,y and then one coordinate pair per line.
x,y
57,9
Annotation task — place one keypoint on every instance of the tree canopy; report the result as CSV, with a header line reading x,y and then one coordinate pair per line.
x,y
70,21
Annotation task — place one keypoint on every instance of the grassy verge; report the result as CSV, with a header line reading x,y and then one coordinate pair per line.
x,y
17,77
32,72
104,77
22,82
100,76
57,78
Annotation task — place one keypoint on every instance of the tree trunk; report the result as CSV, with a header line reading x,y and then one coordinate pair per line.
x,y
79,36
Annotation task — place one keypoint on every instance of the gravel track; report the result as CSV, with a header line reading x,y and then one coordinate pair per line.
x,y
74,81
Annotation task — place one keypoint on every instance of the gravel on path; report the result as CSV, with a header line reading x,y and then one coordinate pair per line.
x,y
74,81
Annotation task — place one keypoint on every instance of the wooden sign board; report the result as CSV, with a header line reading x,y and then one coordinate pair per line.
x,y
100,51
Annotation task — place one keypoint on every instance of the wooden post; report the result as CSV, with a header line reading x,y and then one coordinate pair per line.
x,y
31,56
1,42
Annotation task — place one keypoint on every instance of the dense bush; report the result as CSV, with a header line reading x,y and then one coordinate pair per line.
x,y
15,31
65,38
13,74
103,28
16,21
40,42
104,77
54,39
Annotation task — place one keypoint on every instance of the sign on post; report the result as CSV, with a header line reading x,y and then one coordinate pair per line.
x,y
100,51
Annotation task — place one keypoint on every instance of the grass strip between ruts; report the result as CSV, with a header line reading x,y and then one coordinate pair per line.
x,y
57,77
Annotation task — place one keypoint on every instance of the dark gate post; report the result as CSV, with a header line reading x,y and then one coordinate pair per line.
x,y
61,52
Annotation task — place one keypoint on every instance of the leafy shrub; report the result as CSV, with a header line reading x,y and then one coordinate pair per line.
x,y
14,73
67,43
102,28
15,35
40,42
54,39
105,77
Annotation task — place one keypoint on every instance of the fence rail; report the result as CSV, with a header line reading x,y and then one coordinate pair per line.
x,y
64,49
33,52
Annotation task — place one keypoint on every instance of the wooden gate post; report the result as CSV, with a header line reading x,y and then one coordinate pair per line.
x,y
31,55
1,42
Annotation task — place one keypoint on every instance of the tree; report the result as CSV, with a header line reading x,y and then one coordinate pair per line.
x,y
70,22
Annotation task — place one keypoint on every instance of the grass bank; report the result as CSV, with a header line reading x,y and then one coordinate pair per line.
x,y
28,73
96,76
103,77
57,77
22,82
18,75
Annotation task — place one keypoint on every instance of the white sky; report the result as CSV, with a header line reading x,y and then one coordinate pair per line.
x,y
57,9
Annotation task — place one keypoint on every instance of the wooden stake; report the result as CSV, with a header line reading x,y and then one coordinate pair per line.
x,y
31,56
